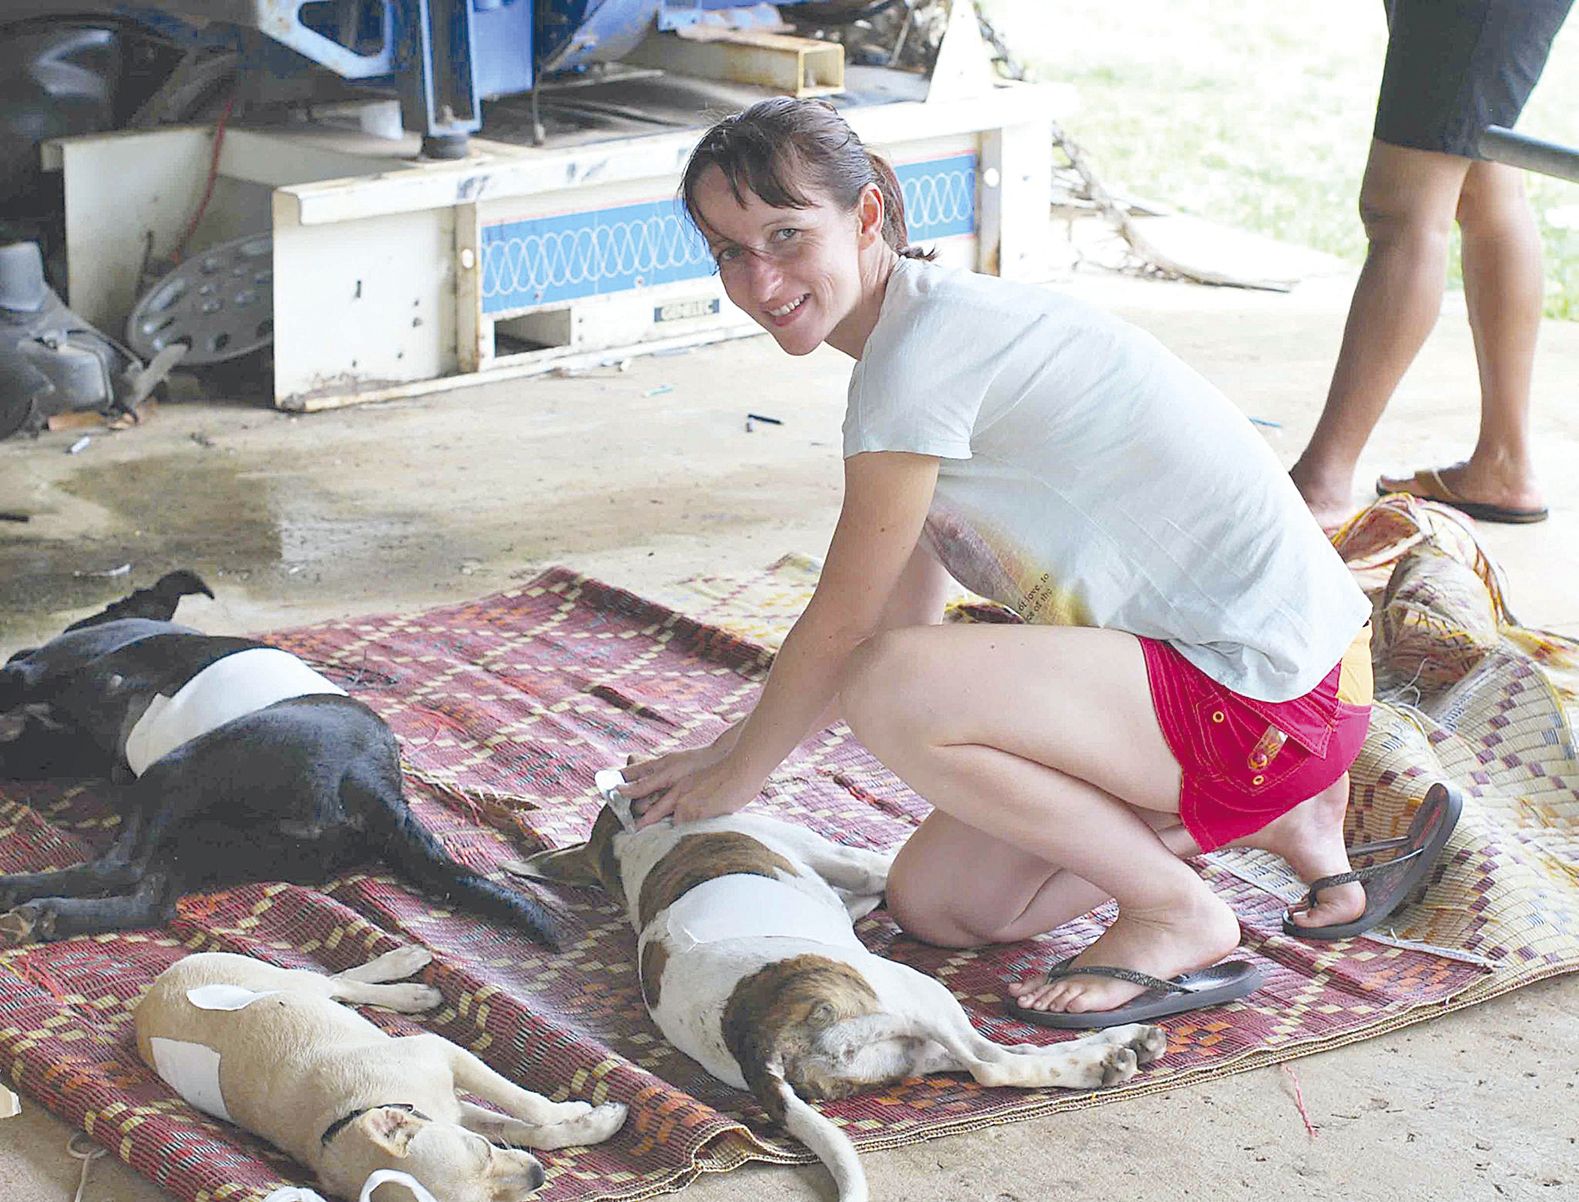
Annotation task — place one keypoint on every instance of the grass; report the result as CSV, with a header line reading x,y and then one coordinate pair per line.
x,y
1259,115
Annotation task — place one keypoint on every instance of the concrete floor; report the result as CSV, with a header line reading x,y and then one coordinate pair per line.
x,y
404,505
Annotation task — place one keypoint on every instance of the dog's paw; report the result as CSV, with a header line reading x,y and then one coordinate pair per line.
x,y
604,1121
1118,1066
589,1124
870,881
409,999
1148,1042
25,924
402,962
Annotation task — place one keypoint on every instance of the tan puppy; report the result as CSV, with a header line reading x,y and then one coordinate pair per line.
x,y
268,1049
749,964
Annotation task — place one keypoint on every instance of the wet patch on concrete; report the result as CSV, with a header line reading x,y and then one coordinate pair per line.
x,y
342,525
226,518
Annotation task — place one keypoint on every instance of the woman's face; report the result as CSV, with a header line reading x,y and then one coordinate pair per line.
x,y
797,272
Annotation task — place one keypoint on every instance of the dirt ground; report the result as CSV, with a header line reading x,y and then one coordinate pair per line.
x,y
646,476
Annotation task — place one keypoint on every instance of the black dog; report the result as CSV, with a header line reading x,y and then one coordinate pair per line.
x,y
237,763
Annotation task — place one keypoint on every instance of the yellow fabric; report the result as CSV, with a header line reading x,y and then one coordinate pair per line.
x,y
1356,685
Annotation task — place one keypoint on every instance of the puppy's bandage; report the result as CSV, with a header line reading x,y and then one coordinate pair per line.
x,y
224,997
227,689
745,906
192,1070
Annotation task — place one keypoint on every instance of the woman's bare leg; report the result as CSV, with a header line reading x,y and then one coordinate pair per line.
x,y
1044,740
1407,201
1015,896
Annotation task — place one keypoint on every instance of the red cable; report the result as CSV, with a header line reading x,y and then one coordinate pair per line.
x,y
208,188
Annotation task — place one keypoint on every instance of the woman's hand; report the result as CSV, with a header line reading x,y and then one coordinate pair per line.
x,y
688,786
887,495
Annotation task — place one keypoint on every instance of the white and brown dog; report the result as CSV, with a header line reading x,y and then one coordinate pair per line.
x,y
268,1049
750,965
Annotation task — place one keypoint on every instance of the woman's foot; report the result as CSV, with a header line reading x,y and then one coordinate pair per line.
x,y
1310,838
1197,931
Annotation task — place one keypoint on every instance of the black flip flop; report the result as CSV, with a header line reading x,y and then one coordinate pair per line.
x,y
1427,485
1212,986
1388,885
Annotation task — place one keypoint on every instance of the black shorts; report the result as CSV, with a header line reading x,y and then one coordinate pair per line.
x,y
1456,66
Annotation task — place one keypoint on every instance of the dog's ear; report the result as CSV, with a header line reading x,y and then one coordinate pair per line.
x,y
593,863
390,1129
572,865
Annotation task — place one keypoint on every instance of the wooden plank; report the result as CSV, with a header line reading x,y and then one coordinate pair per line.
x,y
493,170
473,331
272,157
795,66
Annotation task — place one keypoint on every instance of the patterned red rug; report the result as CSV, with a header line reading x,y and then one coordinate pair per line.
x,y
505,707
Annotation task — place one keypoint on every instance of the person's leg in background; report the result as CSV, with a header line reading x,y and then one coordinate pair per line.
x,y
1501,255
1451,71
1407,201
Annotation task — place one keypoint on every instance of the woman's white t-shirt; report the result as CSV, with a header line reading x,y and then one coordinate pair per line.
x,y
1088,477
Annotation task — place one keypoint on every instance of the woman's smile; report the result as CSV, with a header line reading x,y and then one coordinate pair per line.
x,y
786,313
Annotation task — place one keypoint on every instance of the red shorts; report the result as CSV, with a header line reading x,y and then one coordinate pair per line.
x,y
1245,762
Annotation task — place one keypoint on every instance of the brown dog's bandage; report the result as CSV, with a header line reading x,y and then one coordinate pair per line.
x,y
746,906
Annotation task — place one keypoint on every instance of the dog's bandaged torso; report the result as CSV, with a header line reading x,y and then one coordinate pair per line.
x,y
227,689
192,1069
747,906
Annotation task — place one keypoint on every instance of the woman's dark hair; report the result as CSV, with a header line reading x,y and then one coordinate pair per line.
x,y
781,149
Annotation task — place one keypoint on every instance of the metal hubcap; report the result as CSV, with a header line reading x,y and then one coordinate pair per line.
x,y
220,303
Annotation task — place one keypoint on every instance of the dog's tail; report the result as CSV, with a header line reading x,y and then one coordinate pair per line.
x,y
414,850
814,1129
157,602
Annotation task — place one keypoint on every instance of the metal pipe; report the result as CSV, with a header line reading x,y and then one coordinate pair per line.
x,y
1532,154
